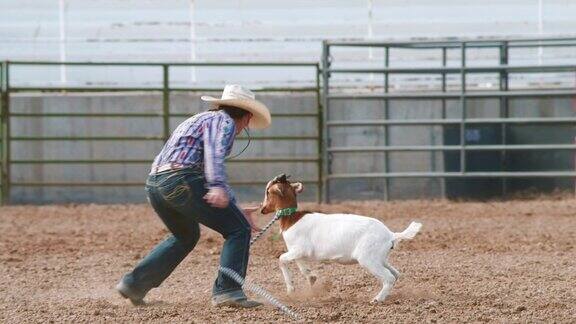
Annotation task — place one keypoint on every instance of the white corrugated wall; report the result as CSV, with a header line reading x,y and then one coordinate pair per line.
x,y
253,30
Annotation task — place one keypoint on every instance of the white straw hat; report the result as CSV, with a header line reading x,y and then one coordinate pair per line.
x,y
237,96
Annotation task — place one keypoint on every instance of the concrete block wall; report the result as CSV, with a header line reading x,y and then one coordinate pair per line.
x,y
368,162
142,126
278,103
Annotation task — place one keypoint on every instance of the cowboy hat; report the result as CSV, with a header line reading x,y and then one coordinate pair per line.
x,y
237,96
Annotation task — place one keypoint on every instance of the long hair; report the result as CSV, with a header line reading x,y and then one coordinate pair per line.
x,y
234,112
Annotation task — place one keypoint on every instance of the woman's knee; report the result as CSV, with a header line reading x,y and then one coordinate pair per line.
x,y
195,234
189,237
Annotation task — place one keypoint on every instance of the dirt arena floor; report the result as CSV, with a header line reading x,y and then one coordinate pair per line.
x,y
472,262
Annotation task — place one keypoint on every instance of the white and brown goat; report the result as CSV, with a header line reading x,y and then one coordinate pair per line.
x,y
342,238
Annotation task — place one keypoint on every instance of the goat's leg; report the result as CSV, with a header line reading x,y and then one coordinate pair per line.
x,y
382,273
393,270
283,261
305,270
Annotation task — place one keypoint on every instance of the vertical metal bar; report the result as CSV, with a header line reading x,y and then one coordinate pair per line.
x,y
386,129
463,107
6,136
166,101
2,162
320,140
540,29
504,113
193,41
326,117
62,29
444,62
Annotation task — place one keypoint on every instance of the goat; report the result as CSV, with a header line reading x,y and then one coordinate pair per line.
x,y
342,238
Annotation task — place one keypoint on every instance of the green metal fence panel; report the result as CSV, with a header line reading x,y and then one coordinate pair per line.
x,y
164,116
463,95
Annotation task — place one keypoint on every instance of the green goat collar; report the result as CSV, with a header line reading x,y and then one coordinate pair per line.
x,y
286,211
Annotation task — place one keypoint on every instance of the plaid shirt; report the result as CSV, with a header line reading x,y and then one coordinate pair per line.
x,y
203,140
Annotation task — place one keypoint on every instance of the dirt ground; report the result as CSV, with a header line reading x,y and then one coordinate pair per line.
x,y
472,262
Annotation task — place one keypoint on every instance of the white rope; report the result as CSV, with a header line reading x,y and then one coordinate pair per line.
x,y
264,229
255,288
260,291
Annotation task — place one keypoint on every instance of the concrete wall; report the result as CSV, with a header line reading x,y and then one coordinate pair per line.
x,y
180,103
285,103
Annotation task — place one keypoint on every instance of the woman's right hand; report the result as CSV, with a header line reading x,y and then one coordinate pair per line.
x,y
217,197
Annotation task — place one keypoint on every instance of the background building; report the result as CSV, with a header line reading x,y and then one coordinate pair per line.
x,y
256,30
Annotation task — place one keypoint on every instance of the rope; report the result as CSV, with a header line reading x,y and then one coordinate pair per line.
x,y
245,147
264,229
260,291
255,288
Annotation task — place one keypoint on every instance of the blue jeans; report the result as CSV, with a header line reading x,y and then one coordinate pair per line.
x,y
177,197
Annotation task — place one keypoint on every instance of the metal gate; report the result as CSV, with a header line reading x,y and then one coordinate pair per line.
x,y
460,94
163,114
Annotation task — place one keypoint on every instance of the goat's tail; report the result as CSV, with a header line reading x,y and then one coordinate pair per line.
x,y
409,232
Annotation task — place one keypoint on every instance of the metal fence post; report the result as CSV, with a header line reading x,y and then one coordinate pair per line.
x,y
463,107
5,131
326,117
2,162
444,63
166,101
386,128
504,112
319,196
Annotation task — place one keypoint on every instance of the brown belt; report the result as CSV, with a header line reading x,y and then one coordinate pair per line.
x,y
167,167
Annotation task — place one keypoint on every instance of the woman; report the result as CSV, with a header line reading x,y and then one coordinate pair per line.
x,y
187,185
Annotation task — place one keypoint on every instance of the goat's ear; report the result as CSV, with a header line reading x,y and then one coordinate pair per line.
x,y
298,186
277,191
